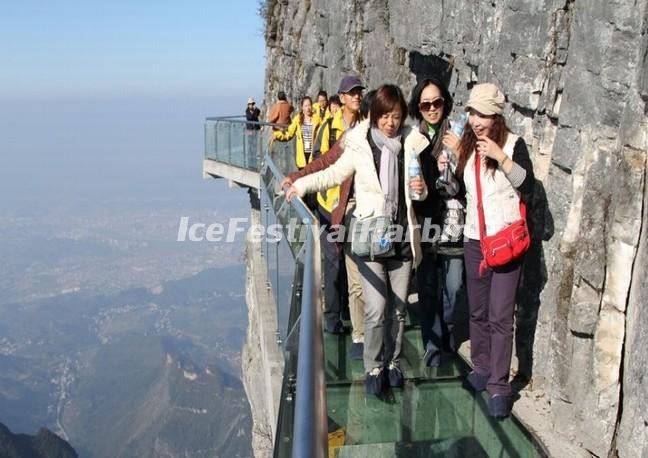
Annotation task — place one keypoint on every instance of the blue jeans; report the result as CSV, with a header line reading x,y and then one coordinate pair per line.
x,y
440,279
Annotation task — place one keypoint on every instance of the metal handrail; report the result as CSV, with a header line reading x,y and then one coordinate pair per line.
x,y
241,119
310,427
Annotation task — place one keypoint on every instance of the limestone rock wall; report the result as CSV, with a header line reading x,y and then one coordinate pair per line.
x,y
576,79
262,358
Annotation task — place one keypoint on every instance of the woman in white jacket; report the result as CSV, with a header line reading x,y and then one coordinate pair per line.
x,y
375,152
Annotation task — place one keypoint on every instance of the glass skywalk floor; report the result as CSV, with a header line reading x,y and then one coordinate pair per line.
x,y
432,416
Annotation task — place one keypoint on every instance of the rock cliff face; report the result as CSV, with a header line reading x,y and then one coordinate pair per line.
x,y
45,444
262,359
576,78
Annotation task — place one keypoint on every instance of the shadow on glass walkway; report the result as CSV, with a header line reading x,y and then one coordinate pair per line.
x,y
324,410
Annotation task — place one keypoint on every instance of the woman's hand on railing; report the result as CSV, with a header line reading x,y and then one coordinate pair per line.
x,y
286,182
291,192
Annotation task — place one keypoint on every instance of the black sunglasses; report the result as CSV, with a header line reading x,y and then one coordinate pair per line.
x,y
436,103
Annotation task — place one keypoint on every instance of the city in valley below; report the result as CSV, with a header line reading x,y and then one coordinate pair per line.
x,y
114,334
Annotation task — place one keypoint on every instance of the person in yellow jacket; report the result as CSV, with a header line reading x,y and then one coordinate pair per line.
x,y
320,108
331,130
304,125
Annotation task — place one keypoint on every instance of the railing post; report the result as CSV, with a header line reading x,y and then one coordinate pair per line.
x,y
276,273
229,143
245,140
267,209
216,140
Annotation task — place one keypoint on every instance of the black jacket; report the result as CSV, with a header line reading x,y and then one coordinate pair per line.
x,y
252,114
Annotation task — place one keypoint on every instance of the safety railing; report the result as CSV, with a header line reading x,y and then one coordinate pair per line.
x,y
235,141
292,252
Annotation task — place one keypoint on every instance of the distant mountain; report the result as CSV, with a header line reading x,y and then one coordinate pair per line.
x,y
140,373
45,444
136,397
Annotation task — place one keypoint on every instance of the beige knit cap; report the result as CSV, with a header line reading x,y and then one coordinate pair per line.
x,y
487,99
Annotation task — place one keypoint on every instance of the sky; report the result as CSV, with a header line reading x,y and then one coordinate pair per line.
x,y
97,48
105,99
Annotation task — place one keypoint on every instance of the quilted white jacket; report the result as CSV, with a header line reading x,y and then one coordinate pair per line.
x,y
358,158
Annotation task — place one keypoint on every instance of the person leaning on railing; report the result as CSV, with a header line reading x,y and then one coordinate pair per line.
x,y
341,216
374,151
350,91
506,176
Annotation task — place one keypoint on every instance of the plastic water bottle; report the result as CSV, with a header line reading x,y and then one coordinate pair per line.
x,y
414,171
458,129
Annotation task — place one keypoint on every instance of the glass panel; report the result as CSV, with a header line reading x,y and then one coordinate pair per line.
x,y
425,418
229,141
210,140
285,423
283,155
268,182
340,367
297,231
282,284
237,144
431,416
251,147
222,152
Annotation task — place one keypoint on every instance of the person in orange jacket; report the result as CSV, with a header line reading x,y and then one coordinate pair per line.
x,y
280,111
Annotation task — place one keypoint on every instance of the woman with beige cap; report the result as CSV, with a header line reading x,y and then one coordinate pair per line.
x,y
506,176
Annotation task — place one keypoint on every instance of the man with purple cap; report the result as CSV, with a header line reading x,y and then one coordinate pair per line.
x,y
350,91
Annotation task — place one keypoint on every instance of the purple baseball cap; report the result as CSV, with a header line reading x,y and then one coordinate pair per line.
x,y
349,83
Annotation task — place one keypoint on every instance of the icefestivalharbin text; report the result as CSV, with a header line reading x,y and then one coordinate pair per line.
x,y
294,231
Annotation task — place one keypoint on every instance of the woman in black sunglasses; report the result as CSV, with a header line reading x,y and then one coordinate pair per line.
x,y
440,274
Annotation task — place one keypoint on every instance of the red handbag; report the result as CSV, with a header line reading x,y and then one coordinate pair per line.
x,y
509,243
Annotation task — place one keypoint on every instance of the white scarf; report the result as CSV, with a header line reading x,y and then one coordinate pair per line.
x,y
389,149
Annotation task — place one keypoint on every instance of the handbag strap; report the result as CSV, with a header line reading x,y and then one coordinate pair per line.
x,y
480,206
480,211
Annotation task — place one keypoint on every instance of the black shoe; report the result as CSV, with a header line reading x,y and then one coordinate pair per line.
x,y
475,382
395,376
374,381
357,350
432,357
499,405
335,328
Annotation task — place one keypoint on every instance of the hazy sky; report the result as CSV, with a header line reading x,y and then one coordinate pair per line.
x,y
106,99
119,48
